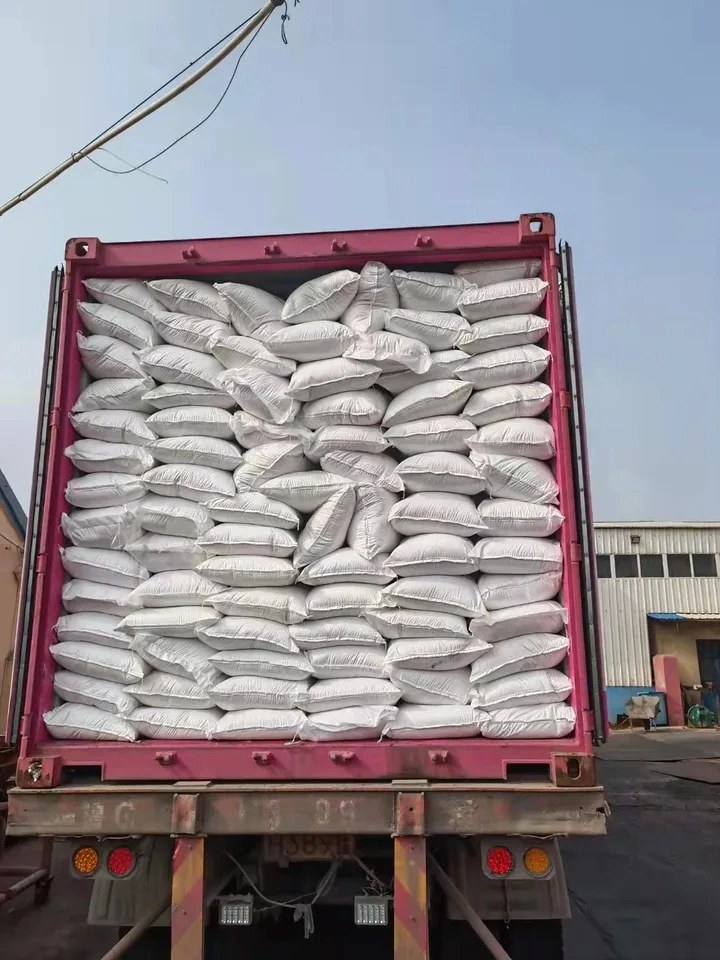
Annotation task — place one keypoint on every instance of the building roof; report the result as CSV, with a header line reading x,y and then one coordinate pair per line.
x,y
15,513
660,524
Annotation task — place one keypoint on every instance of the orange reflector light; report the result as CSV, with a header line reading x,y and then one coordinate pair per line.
x,y
500,861
85,860
536,861
121,861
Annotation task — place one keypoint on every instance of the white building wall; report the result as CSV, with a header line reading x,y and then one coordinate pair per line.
x,y
626,602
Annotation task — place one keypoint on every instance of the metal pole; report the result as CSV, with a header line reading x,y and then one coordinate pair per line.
x,y
136,932
187,924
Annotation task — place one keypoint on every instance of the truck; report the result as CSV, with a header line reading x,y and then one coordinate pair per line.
x,y
415,848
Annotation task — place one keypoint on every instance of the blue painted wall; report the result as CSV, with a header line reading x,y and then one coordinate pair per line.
x,y
617,697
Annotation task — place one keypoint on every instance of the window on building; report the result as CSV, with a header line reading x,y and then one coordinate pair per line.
x,y
704,565
626,565
678,565
604,571
651,565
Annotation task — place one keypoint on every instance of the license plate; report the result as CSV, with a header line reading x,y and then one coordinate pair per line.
x,y
309,846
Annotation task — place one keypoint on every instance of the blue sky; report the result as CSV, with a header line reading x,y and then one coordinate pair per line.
x,y
404,112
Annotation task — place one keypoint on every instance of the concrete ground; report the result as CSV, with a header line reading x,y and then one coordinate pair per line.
x,y
648,891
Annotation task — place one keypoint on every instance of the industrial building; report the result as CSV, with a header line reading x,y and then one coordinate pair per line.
x,y
659,593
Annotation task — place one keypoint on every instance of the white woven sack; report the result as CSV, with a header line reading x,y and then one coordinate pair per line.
x,y
281,604
335,631
233,539
326,529
543,616
344,692
248,633
240,351
172,516
441,433
248,571
435,513
503,332
370,533
503,403
515,518
259,724
169,364
434,653
197,451
375,291
499,590
357,439
458,595
390,351
549,722
402,624
192,421
189,482
167,691
269,461
249,308
533,651
98,456
109,321
162,723
75,721
130,295
180,657
428,291
112,567
360,407
84,596
194,297
444,472
425,722
99,628
528,689
443,364
103,694
173,588
516,478
484,272
115,394
432,686
341,600
440,331
158,552
518,437
251,506
304,491
511,365
437,398
349,723
263,663
106,527
106,357
114,426
251,431
99,662
502,299
375,469
322,378
517,555
95,490
182,395
182,622
193,333
305,342
258,693
347,661
346,566
432,555
324,298
262,394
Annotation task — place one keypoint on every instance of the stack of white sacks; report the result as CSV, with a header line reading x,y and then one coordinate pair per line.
x,y
326,518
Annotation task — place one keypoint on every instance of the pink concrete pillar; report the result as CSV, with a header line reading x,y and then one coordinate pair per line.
x,y
667,680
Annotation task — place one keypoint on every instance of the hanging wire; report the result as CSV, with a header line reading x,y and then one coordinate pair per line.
x,y
285,16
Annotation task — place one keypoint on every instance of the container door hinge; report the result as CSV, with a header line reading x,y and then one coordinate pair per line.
x,y
54,418
565,400
40,563
575,552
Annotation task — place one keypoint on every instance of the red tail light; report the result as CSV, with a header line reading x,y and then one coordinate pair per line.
x,y
121,861
500,861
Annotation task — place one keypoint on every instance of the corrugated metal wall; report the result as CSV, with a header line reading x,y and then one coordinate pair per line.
x,y
626,602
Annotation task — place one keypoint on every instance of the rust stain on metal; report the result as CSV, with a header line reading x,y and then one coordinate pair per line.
x,y
185,814
573,770
410,815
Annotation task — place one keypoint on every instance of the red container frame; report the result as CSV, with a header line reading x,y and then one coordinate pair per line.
x,y
532,236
